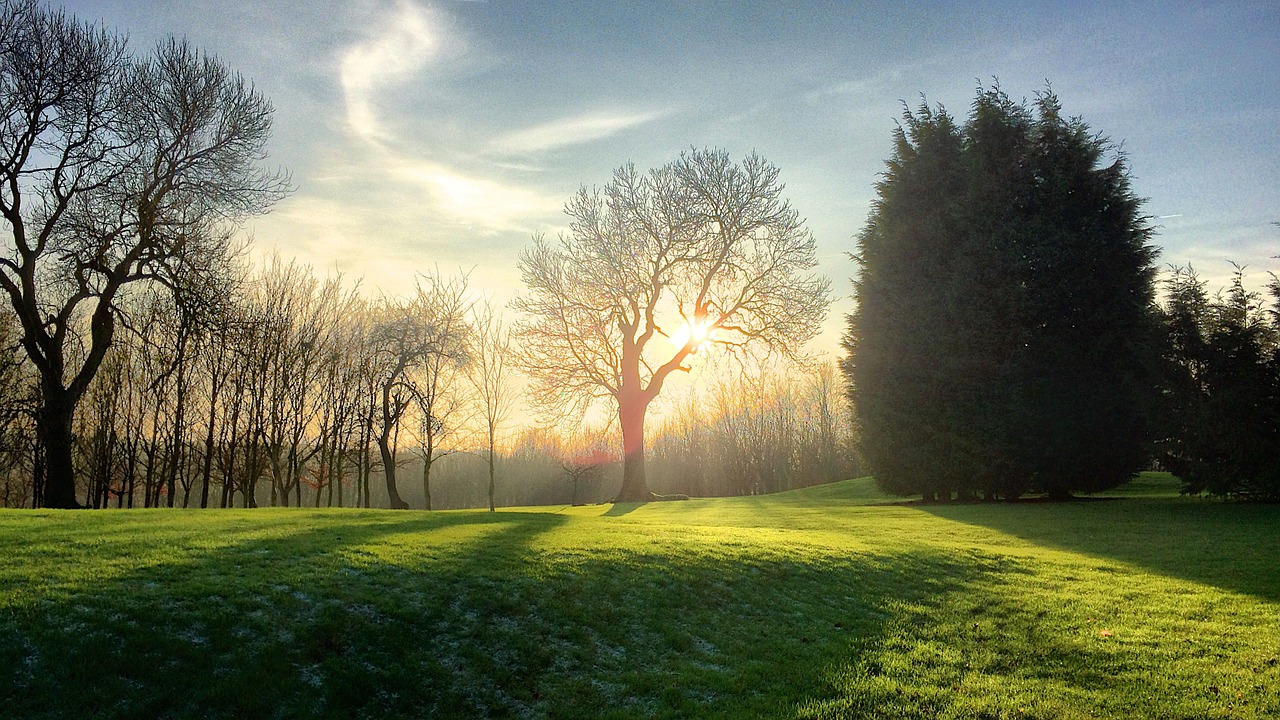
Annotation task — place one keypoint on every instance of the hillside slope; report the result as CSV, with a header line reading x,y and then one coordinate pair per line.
x,y
814,603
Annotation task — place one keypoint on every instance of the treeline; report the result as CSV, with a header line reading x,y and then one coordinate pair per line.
x,y
280,394
284,391
1220,411
752,433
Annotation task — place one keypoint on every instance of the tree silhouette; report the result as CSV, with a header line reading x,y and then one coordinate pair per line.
x,y
701,251
1004,337
114,170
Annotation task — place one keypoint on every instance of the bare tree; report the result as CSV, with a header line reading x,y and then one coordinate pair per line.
x,y
491,376
582,458
442,403
702,251
405,336
113,170
17,406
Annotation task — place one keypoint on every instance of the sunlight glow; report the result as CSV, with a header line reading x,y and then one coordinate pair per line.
x,y
696,334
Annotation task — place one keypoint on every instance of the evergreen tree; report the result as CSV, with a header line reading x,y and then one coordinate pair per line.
x,y
1222,389
1004,328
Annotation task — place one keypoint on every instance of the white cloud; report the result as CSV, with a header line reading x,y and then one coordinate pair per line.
x,y
568,131
402,46
487,204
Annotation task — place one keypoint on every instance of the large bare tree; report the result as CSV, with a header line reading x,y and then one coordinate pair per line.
x,y
701,251
113,170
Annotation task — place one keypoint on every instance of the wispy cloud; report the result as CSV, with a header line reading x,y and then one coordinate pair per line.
x,y
484,203
568,131
401,45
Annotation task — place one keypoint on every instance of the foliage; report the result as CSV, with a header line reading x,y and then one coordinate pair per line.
x,y
1222,388
808,604
1004,331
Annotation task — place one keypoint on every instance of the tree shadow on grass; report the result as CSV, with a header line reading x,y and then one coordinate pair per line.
x,y
619,509
455,615
1232,546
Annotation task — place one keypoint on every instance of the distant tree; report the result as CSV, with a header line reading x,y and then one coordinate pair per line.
x,y
443,405
1221,389
490,373
405,336
113,170
700,251
582,458
1004,334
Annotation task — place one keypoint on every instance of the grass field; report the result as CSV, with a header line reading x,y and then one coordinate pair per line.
x,y
818,603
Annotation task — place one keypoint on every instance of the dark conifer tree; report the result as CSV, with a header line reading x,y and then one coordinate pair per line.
x,y
1222,389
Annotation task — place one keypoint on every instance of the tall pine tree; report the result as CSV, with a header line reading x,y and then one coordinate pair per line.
x,y
1003,337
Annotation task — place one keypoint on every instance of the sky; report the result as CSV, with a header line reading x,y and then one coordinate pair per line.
x,y
444,135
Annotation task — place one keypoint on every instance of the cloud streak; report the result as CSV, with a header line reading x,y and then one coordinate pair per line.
x,y
484,203
404,45
568,131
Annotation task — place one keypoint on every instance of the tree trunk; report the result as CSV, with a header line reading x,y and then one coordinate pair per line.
x,y
206,473
55,433
491,484
426,477
389,471
634,486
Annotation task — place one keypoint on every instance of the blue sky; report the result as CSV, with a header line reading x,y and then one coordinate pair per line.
x,y
445,134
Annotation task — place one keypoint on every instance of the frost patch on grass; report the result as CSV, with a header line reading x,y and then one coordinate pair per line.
x,y
367,613
312,676
193,637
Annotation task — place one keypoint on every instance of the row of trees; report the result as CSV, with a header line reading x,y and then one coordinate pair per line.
x,y
295,387
1007,337
750,433
284,399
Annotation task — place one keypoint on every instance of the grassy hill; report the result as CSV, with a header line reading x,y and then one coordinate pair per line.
x,y
819,603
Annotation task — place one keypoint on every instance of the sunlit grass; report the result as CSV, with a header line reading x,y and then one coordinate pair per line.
x,y
815,603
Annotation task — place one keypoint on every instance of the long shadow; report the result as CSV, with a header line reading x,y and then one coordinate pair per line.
x,y
461,615
454,615
619,509
1227,545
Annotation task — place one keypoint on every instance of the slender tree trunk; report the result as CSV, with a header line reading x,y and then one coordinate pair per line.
x,y
368,477
38,473
491,483
426,477
132,470
206,472
179,422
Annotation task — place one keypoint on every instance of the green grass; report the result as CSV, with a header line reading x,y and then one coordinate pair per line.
x,y
817,603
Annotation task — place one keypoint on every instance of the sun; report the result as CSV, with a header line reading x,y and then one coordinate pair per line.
x,y
694,334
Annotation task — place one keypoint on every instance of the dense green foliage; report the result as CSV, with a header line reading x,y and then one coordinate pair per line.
x,y
809,604
1003,337
1222,389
